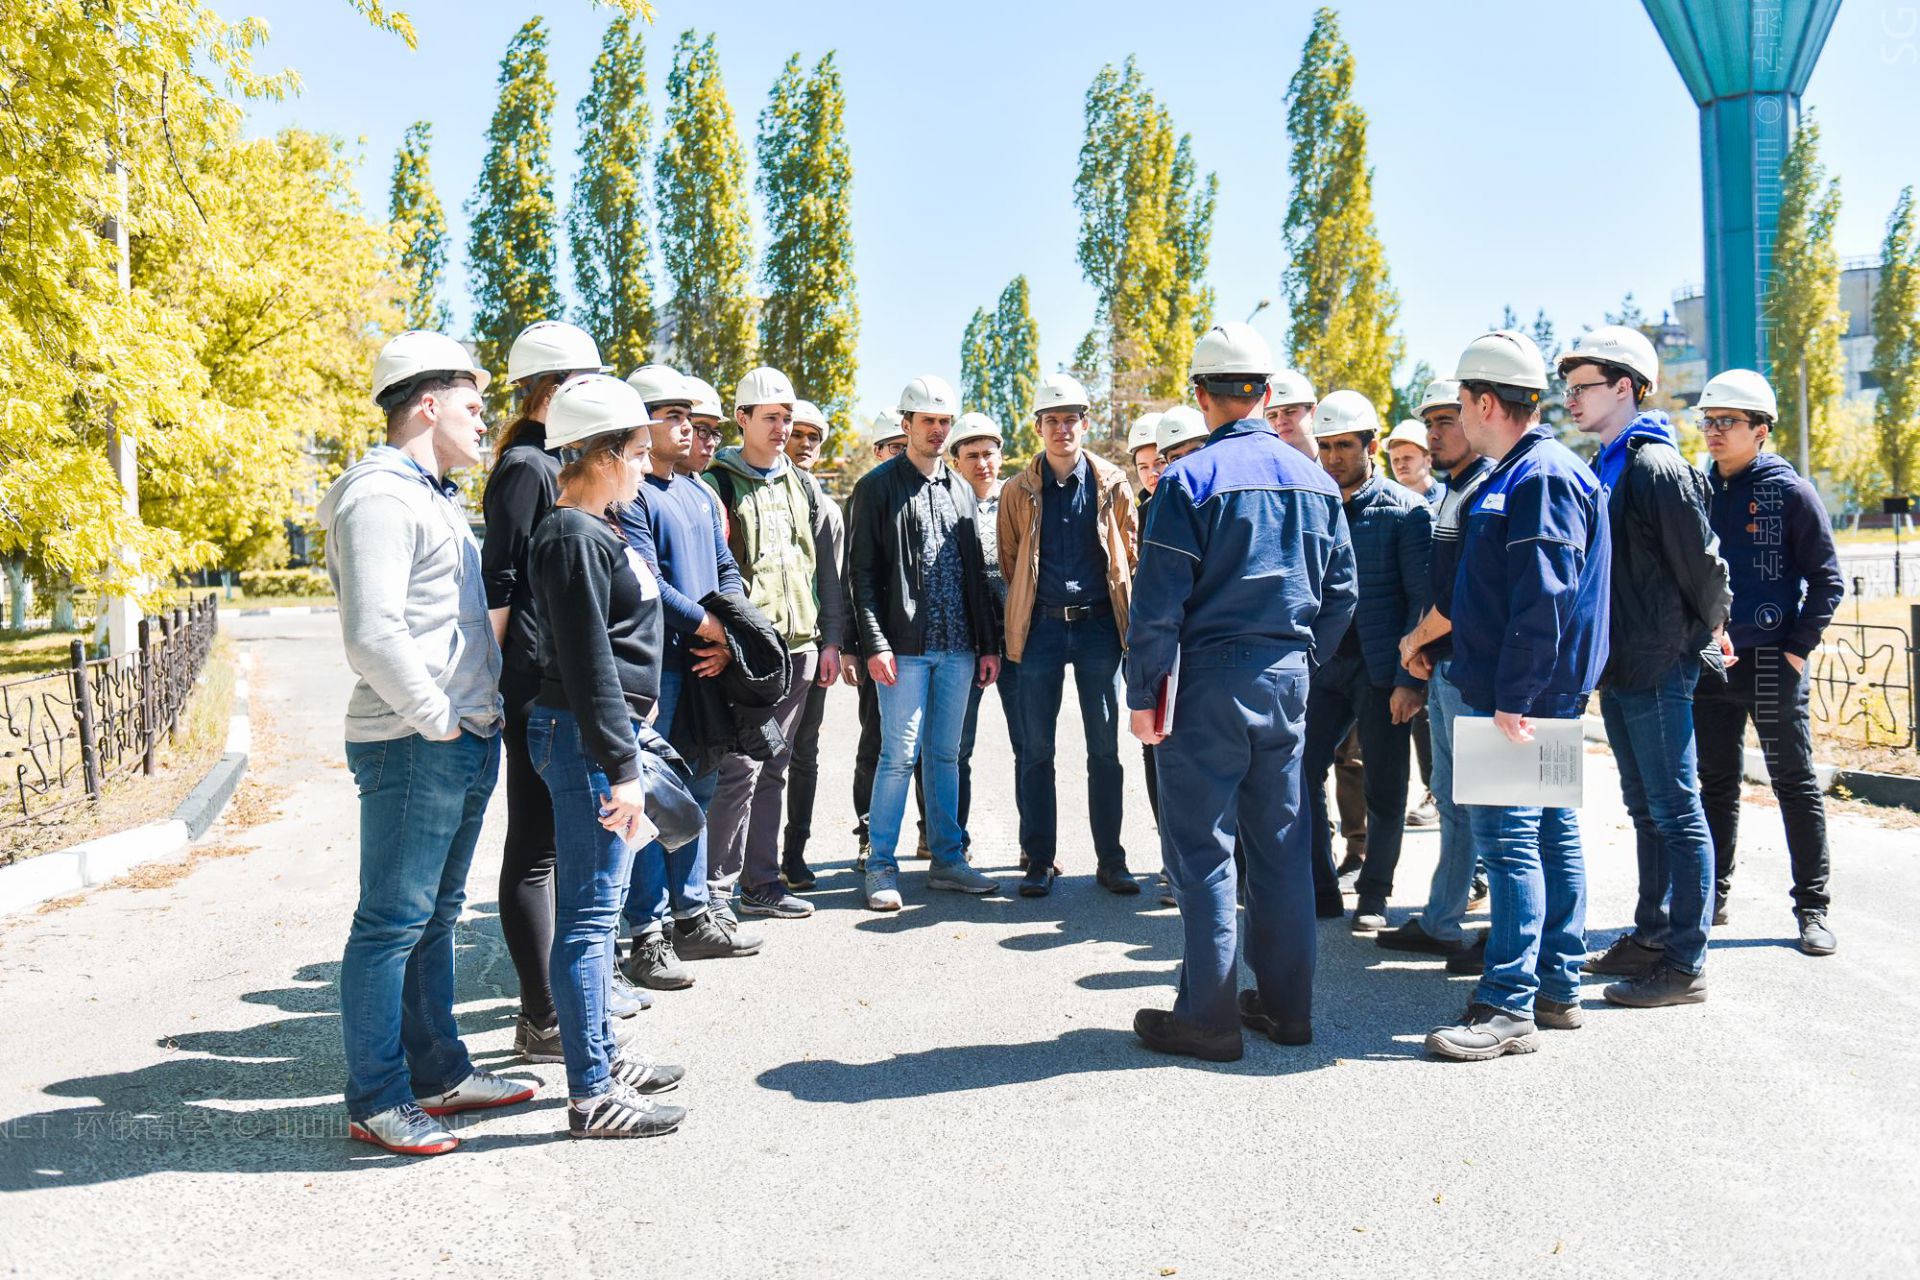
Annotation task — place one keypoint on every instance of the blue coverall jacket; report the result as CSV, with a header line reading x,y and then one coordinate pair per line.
x,y
1392,532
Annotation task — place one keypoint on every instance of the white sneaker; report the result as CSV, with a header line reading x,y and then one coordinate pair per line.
x,y
405,1130
959,877
477,1092
883,891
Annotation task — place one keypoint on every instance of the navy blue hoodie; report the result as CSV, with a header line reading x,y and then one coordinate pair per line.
x,y
1778,546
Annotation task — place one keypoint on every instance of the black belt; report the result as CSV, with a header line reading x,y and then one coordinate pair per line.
x,y
1075,612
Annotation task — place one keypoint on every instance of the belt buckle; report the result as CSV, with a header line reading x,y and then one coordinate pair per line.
x,y
1076,612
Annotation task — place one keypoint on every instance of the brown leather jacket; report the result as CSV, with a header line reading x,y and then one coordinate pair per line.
x,y
1020,544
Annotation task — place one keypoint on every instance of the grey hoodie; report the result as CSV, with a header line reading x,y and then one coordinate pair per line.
x,y
413,610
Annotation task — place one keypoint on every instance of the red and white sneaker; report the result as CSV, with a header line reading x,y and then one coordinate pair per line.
x,y
405,1130
477,1092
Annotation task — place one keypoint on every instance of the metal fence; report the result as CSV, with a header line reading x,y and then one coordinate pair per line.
x,y
1874,575
1861,683
65,734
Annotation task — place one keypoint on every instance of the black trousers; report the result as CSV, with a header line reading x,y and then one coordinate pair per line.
x,y
1762,688
1340,698
526,861
803,773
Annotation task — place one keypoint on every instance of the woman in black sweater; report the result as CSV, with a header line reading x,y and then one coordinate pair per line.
x,y
599,641
521,487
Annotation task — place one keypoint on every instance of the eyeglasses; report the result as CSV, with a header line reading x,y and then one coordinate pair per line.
x,y
709,434
1720,426
1575,388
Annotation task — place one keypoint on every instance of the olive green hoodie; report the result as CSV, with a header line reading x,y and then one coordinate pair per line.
x,y
770,532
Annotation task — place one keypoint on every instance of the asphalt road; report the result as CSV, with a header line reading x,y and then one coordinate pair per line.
x,y
952,1091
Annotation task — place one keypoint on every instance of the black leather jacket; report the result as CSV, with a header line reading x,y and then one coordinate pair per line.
x,y
1669,589
884,572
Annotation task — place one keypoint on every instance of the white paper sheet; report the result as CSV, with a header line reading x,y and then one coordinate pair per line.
x,y
1489,769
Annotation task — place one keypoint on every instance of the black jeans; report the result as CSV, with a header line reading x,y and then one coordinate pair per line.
x,y
1340,697
1764,688
803,774
526,861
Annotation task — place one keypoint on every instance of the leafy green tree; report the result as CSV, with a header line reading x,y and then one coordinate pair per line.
x,y
512,248
607,217
1408,395
1803,315
421,226
1000,366
1896,349
1146,221
700,187
810,323
1341,303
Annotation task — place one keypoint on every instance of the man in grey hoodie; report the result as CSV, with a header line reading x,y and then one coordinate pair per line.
x,y
423,742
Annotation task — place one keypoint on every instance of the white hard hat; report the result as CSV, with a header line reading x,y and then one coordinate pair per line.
x,y
929,394
1289,386
1179,425
1741,389
763,386
1143,431
706,400
1619,345
1232,350
1507,358
552,346
1060,391
1344,413
662,384
972,426
591,405
808,412
1412,431
408,355
889,427
1442,393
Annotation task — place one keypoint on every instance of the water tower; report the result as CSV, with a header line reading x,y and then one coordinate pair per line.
x,y
1746,62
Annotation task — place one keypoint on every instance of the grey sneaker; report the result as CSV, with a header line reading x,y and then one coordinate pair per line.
x,y
478,1092
706,937
537,1044
654,963
774,900
959,877
1370,913
643,1075
1815,938
621,1113
722,909
1487,1033
1553,1015
1664,986
883,890
404,1130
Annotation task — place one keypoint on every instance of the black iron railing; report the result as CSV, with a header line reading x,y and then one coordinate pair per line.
x,y
1861,682
65,734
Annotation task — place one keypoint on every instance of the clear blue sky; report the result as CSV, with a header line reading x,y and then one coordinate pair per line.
x,y
964,121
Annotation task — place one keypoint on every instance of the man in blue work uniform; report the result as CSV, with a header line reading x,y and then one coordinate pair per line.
x,y
1529,639
1245,576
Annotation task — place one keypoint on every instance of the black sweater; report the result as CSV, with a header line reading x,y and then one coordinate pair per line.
x,y
520,490
600,633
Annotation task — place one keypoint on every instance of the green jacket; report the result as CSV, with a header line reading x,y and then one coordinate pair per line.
x,y
770,532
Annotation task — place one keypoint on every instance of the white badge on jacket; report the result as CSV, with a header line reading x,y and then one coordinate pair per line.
x,y
649,585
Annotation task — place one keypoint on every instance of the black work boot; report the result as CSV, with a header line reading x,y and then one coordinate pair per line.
x,y
1254,1016
1627,958
1161,1032
1664,986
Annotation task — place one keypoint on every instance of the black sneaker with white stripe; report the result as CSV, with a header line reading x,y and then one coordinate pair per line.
x,y
644,1075
621,1113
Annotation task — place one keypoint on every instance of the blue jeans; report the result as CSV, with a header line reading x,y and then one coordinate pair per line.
x,y
921,713
421,805
591,869
1651,732
1231,768
1092,648
1008,687
1537,896
675,881
1453,877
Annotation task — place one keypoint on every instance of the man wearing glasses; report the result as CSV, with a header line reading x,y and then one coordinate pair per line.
x,y
1667,615
1786,585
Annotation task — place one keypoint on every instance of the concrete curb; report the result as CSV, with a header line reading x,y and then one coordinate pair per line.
x,y
1889,789
94,862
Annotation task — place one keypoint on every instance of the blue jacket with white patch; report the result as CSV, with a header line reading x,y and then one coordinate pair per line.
x,y
1245,543
1530,598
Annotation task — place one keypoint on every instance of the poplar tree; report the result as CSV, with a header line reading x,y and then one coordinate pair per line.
x,y
810,322
420,225
1000,366
1146,222
705,232
1342,305
607,217
1896,349
511,252
1804,319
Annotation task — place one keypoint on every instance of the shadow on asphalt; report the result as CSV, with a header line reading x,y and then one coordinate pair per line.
x,y
258,1099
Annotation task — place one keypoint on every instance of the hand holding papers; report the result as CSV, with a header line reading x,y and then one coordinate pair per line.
x,y
1488,768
